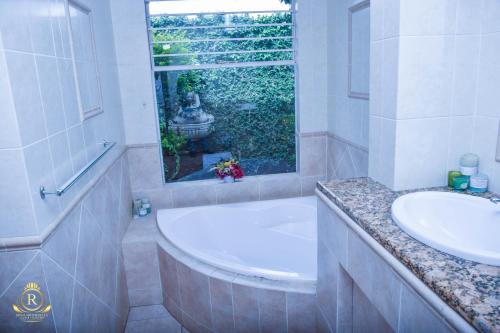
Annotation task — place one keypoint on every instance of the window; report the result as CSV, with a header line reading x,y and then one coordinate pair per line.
x,y
225,85
84,55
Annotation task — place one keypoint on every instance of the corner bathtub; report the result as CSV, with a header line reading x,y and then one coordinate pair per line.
x,y
275,239
259,250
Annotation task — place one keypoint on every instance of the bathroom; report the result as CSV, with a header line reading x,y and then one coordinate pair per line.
x,y
249,166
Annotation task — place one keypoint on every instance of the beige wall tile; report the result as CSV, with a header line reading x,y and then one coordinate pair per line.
x,y
375,278
312,156
145,168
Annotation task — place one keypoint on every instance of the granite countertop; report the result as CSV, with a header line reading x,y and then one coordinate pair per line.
x,y
470,288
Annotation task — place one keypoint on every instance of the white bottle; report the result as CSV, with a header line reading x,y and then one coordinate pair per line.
x,y
469,164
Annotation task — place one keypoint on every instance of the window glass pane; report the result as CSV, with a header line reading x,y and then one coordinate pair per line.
x,y
222,38
225,85
208,114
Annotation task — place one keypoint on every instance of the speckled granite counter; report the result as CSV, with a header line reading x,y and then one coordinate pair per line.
x,y
471,289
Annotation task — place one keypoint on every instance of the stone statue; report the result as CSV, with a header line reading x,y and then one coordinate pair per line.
x,y
191,121
193,113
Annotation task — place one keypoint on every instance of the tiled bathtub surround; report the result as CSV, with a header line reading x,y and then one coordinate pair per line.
x,y
151,319
145,168
204,299
79,267
142,268
469,288
311,152
201,297
211,192
345,159
141,262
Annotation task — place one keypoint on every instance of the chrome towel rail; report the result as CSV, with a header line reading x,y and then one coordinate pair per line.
x,y
60,191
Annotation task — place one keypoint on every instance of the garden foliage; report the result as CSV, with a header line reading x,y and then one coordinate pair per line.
x,y
254,107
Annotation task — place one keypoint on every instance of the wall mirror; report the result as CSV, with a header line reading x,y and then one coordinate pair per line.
x,y
85,60
359,50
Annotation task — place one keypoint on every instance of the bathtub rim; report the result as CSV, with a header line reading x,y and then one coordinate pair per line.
x,y
251,278
304,287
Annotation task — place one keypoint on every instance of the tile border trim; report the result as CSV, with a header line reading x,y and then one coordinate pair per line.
x,y
311,134
348,142
35,242
143,145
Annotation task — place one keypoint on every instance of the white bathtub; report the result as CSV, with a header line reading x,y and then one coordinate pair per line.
x,y
275,239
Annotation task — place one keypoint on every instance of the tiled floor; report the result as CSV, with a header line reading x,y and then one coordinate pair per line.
x,y
152,319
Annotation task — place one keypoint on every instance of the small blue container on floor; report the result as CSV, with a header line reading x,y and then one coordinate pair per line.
x,y
478,183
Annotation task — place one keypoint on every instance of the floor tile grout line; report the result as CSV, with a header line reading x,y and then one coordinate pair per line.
x,y
75,268
48,290
19,274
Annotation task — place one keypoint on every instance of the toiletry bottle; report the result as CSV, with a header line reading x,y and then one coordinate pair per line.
x,y
451,176
461,183
478,183
469,164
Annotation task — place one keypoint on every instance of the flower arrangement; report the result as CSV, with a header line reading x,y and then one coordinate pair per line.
x,y
228,170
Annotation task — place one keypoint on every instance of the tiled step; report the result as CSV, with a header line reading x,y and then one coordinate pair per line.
x,y
152,319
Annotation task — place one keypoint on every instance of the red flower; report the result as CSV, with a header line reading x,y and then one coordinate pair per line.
x,y
228,168
237,171
219,174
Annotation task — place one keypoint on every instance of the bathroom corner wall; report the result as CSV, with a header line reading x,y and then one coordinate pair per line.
x,y
485,71
79,268
69,245
137,94
433,90
348,117
345,159
311,87
384,48
311,45
134,68
43,139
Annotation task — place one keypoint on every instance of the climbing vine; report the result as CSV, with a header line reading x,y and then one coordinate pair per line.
x,y
254,108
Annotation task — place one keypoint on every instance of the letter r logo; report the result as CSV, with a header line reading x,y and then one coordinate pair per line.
x,y
31,299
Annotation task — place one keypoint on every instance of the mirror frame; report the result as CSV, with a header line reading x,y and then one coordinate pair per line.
x,y
351,11
498,143
84,114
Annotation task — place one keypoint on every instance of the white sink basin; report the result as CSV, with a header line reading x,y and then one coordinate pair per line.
x,y
461,225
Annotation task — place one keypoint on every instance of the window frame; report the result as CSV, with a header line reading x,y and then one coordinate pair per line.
x,y
363,5
294,62
498,143
292,37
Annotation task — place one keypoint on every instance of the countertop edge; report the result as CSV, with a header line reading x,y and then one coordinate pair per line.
x,y
478,321
439,305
